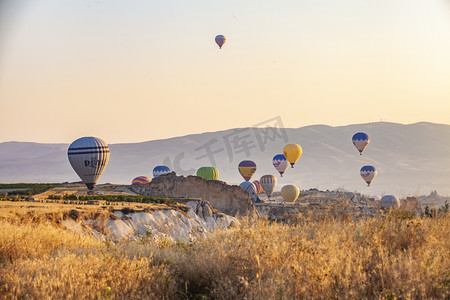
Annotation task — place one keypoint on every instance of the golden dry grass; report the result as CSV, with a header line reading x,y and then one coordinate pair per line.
x,y
39,260
27,210
390,257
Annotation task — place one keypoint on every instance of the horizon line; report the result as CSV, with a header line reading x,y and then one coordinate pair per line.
x,y
234,128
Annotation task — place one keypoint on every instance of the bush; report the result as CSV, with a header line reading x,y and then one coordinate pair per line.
x,y
119,198
32,188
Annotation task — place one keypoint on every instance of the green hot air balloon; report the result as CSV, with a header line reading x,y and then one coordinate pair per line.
x,y
209,173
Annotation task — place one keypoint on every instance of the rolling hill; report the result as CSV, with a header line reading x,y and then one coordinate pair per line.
x,y
411,159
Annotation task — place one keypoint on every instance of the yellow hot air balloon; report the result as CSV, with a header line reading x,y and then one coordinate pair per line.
x,y
292,152
290,193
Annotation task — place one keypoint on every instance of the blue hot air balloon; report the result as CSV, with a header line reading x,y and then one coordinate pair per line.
x,y
368,173
280,163
160,170
360,140
250,188
220,40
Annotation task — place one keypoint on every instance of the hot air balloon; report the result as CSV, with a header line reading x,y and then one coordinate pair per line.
x,y
290,193
220,40
141,180
280,163
247,168
259,188
292,152
160,170
376,197
360,140
268,183
250,188
88,157
209,173
389,201
368,173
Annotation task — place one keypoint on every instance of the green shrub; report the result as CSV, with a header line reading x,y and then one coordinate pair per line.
x,y
32,188
119,198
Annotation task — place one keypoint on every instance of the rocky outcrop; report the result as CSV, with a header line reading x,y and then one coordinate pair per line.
x,y
433,200
314,196
198,221
292,211
317,203
231,200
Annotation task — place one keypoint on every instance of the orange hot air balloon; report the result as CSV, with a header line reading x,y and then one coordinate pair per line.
x,y
140,180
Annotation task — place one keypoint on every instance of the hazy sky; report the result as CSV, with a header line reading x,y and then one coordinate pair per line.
x,y
130,71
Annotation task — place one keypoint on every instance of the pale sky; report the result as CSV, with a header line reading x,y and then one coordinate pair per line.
x,y
131,71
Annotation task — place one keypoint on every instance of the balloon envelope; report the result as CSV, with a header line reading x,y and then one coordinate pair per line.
x,y
250,188
360,140
292,152
389,201
368,173
160,170
290,193
259,188
280,163
141,180
220,40
209,173
247,168
88,157
268,183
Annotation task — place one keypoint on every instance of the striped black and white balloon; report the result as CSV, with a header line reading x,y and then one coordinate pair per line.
x,y
88,157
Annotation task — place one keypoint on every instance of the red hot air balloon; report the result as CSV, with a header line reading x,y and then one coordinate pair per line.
x,y
258,186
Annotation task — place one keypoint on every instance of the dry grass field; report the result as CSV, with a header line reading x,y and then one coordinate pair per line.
x,y
397,256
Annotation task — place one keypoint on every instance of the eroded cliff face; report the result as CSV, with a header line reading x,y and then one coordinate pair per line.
x,y
198,220
231,200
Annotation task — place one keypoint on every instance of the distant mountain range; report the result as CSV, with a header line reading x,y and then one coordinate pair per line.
x,y
411,159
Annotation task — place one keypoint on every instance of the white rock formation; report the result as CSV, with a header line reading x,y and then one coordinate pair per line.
x,y
200,220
